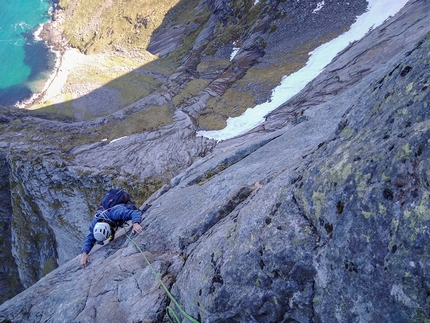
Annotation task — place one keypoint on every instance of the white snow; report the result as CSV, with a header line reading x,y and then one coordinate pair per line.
x,y
234,52
378,11
319,6
117,139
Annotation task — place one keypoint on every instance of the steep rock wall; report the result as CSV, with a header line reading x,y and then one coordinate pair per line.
x,y
273,39
49,202
361,202
325,220
10,284
50,206
366,192
52,200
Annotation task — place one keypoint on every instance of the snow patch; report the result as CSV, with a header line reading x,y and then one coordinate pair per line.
x,y
234,52
378,11
118,139
319,6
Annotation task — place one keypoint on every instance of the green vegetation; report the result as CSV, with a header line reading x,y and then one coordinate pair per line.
x,y
120,79
212,120
148,119
49,266
241,96
10,276
125,28
133,87
151,118
140,191
64,109
122,25
208,175
96,26
209,65
184,12
30,238
192,88
116,34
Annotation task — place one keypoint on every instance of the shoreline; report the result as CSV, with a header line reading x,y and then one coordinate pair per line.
x,y
36,98
67,61
50,34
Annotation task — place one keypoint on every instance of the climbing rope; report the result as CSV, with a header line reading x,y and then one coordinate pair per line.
x,y
168,308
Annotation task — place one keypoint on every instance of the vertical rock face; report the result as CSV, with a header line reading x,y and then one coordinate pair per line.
x,y
366,192
325,219
37,212
53,201
322,221
52,205
359,194
9,277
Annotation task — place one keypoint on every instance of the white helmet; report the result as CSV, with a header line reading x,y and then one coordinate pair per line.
x,y
101,231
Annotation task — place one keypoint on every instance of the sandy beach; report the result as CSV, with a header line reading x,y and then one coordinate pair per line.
x,y
53,91
70,61
82,77
76,75
66,60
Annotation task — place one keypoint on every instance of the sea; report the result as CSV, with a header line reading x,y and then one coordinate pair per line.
x,y
26,62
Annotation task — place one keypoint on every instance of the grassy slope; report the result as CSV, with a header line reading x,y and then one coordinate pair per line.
x,y
106,26
97,26
114,35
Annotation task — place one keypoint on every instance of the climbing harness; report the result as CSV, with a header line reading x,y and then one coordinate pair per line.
x,y
168,308
103,214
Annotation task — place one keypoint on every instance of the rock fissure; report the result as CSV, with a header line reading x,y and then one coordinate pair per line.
x,y
212,218
229,161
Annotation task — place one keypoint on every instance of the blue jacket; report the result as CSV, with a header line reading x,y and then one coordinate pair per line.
x,y
118,214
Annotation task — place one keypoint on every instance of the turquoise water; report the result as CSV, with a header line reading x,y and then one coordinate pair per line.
x,y
25,62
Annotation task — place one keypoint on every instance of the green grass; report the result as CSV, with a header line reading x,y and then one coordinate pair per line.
x,y
134,87
151,118
192,88
96,26
235,29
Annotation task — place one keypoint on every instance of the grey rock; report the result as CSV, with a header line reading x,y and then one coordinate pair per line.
x,y
167,41
361,60
321,214
9,277
149,156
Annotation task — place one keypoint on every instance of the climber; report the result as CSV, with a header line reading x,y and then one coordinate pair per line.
x,y
105,224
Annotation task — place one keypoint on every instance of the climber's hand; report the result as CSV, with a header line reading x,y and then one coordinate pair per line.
x,y
84,259
136,228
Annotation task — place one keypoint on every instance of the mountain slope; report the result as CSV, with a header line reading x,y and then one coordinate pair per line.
x,y
321,214
194,42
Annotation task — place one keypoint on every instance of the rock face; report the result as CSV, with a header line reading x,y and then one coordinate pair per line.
x,y
49,203
149,157
321,214
10,283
